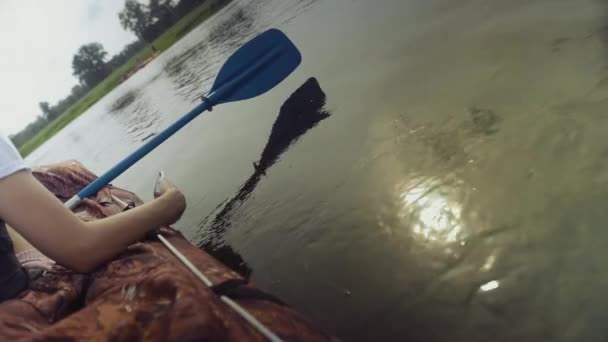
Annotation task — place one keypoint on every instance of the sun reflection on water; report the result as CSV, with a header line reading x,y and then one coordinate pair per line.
x,y
489,286
434,216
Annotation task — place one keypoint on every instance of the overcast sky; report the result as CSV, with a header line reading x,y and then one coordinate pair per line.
x,y
38,39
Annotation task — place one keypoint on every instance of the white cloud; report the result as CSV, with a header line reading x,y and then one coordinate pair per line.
x,y
39,39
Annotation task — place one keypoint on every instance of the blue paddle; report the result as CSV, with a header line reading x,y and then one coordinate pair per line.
x,y
252,70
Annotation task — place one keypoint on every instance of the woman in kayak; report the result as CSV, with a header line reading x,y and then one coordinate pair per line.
x,y
39,218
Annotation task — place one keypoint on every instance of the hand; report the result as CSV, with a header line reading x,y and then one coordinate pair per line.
x,y
166,190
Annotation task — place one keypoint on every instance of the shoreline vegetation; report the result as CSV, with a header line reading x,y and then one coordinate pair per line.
x,y
169,37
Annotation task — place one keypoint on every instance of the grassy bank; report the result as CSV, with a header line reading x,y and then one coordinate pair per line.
x,y
172,35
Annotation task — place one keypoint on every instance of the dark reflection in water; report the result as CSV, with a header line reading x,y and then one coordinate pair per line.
x,y
175,67
125,100
197,66
228,33
136,115
302,111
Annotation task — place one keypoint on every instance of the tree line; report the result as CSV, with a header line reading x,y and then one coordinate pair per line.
x,y
90,63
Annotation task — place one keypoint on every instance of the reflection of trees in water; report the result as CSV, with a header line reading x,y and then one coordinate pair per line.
x,y
125,100
195,68
136,115
230,32
278,13
302,111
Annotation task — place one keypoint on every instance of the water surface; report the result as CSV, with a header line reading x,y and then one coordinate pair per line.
x,y
456,192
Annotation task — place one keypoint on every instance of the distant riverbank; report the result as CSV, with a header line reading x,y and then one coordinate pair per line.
x,y
166,40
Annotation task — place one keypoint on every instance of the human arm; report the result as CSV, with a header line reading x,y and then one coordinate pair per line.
x,y
43,220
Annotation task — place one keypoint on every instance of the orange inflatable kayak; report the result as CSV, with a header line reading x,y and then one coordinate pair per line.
x,y
144,294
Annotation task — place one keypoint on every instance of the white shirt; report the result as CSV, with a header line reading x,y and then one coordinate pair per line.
x,y
10,159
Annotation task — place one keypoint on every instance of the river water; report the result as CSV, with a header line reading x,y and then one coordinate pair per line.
x,y
456,192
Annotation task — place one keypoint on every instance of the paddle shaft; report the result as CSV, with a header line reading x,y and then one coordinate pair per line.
x,y
141,152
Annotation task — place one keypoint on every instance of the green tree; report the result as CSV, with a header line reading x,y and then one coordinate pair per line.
x,y
78,91
160,11
135,17
47,112
148,21
89,64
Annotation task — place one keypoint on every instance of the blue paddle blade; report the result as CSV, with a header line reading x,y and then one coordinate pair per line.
x,y
255,68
